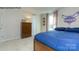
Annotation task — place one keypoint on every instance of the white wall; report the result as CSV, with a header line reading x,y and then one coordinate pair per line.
x,y
10,24
43,27
36,24
67,11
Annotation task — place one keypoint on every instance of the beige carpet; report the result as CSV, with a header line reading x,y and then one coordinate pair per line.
x,y
17,45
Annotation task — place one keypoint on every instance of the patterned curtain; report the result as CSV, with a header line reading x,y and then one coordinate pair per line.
x,y
56,17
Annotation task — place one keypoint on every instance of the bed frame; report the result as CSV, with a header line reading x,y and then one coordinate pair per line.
x,y
38,46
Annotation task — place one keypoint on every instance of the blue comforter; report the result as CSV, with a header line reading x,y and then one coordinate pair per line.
x,y
60,40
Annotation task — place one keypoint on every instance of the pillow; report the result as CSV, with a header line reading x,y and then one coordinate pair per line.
x,y
60,28
76,30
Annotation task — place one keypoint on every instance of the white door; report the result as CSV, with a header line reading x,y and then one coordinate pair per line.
x,y
51,22
36,24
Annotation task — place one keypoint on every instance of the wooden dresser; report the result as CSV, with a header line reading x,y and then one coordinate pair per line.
x,y
26,29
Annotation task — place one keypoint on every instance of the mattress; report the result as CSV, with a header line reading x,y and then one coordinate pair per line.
x,y
60,40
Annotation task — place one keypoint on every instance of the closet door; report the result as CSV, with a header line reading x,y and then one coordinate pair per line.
x,y
9,24
25,30
3,34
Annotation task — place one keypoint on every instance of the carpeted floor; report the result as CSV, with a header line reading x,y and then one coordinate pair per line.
x,y
17,45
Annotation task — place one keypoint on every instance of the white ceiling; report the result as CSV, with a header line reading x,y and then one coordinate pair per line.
x,y
29,11
38,10
34,10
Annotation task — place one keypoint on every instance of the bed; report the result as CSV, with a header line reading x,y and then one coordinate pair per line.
x,y
57,40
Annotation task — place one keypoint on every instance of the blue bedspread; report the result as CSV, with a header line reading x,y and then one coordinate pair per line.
x,y
60,40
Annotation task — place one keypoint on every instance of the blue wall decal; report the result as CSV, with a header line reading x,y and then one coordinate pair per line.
x,y
70,19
